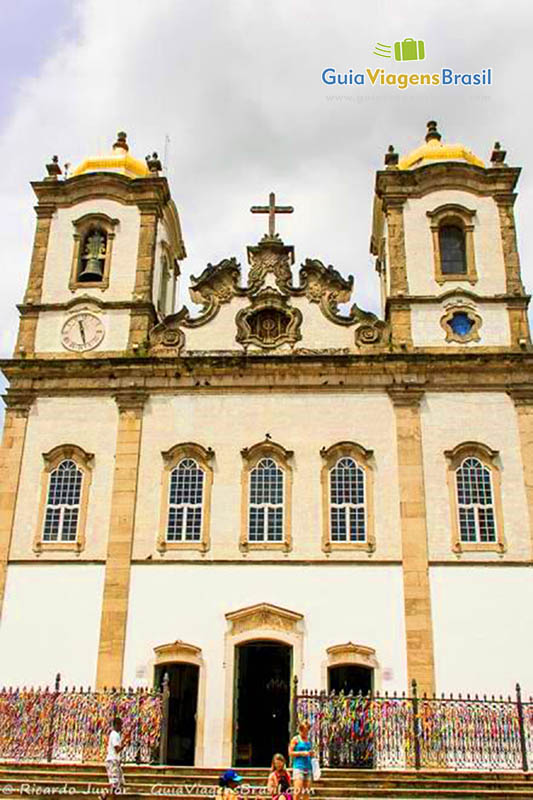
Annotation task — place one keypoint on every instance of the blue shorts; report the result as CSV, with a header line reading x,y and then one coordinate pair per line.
x,y
303,774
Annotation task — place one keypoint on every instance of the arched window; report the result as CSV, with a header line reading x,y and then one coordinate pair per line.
x,y
93,253
266,497
63,503
347,497
475,502
452,232
265,515
186,498
474,480
452,250
347,502
185,502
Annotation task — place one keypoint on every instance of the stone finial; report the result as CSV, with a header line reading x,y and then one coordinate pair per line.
x,y
153,163
432,132
497,157
121,141
391,157
53,169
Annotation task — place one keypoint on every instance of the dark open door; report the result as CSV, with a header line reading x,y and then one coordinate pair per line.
x,y
183,702
262,702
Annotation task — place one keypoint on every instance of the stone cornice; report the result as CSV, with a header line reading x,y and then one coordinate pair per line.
x,y
514,299
139,191
350,373
395,186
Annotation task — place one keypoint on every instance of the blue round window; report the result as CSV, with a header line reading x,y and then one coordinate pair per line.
x,y
461,324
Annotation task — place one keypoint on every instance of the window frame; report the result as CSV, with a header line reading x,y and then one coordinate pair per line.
x,y
363,459
171,460
252,457
82,226
52,459
488,458
458,216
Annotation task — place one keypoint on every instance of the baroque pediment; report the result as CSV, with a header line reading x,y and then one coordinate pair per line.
x,y
267,316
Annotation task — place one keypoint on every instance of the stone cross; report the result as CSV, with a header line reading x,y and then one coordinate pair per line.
x,y
272,209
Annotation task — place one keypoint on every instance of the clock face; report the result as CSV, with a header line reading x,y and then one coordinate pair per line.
x,y
82,332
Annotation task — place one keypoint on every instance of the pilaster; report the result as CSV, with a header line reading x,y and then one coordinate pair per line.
x,y
11,454
417,595
523,400
120,540
143,319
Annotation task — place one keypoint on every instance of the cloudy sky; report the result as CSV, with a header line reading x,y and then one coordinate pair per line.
x,y
236,87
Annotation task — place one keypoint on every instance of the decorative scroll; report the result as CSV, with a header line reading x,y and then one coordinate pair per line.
x,y
74,725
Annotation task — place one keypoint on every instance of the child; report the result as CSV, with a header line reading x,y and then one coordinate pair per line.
x,y
113,766
228,783
279,782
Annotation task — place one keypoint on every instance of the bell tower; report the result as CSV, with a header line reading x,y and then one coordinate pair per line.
x,y
445,245
105,259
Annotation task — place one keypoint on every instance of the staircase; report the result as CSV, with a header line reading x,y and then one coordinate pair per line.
x,y
50,780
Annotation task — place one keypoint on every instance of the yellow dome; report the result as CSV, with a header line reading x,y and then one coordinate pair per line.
x,y
435,150
118,161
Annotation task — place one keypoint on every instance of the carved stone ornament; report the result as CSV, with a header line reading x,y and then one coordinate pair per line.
x,y
167,338
263,615
268,322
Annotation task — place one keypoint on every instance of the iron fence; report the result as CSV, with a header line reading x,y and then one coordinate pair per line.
x,y
412,732
74,724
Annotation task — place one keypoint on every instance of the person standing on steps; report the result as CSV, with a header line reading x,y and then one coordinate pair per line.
x,y
301,751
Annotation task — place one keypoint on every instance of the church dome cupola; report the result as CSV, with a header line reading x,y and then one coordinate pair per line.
x,y
118,161
434,149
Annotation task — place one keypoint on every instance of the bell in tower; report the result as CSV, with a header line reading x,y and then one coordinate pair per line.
x,y
92,261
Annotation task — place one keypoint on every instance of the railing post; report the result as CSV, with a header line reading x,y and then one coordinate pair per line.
x,y
163,744
52,718
294,710
520,710
416,724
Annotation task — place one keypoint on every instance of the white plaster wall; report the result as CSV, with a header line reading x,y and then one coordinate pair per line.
x,y
428,332
489,418
482,623
59,256
90,423
303,423
50,323
362,604
487,243
50,624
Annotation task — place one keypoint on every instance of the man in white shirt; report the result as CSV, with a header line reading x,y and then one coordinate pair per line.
x,y
113,766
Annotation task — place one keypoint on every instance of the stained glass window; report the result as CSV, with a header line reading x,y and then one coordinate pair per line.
x,y
185,502
63,503
460,323
477,522
265,516
347,502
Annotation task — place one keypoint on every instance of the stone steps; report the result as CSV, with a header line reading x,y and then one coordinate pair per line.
x,y
336,784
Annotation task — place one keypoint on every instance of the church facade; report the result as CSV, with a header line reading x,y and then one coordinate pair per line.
x,y
272,486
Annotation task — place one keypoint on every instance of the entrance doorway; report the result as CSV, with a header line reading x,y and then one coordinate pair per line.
x,y
262,702
183,702
348,678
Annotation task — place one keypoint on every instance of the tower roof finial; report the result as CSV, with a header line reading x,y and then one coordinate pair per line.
x,y
121,141
432,131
